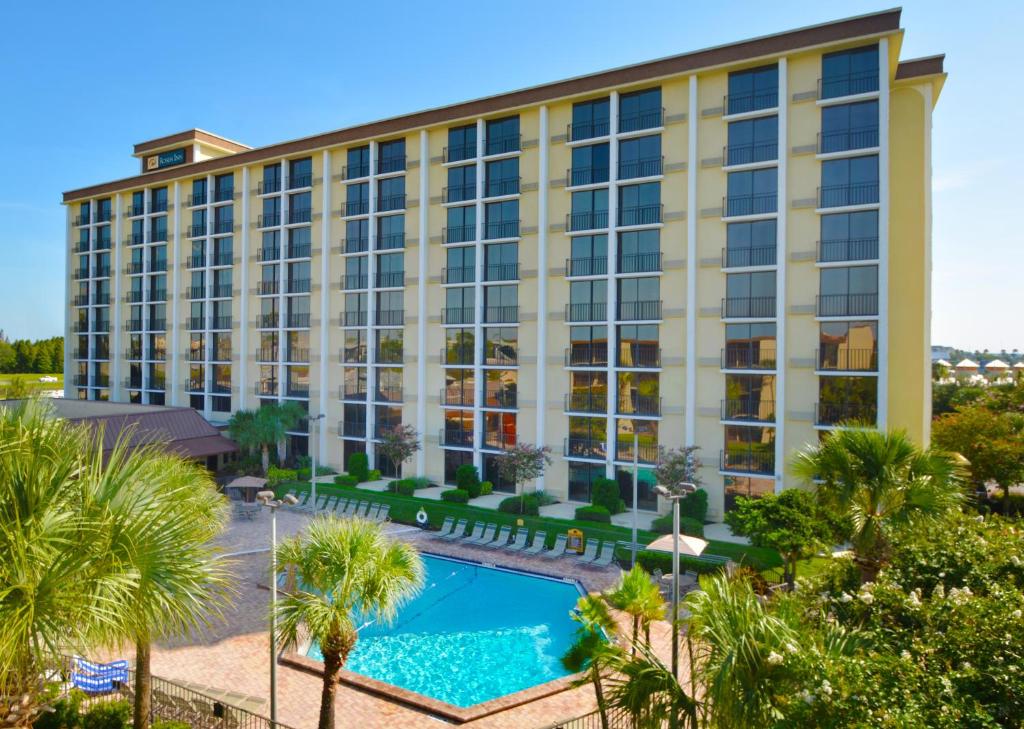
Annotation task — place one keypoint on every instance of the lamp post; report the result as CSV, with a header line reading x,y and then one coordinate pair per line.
x,y
681,490
313,420
266,498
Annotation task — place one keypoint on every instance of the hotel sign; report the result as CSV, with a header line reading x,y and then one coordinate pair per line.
x,y
165,159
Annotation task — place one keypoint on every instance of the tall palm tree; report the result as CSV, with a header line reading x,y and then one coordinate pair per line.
x,y
590,650
639,598
344,569
640,684
264,428
879,481
279,420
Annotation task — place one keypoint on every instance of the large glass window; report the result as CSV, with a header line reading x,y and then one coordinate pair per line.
x,y
459,346
749,449
750,295
271,181
749,397
461,227
502,135
589,165
753,140
502,219
588,255
501,262
639,251
501,304
357,235
588,301
849,291
502,177
753,89
638,346
849,126
358,162
390,232
639,298
588,346
749,346
640,157
390,194
847,399
851,181
461,143
300,173
459,305
589,119
461,184
589,210
640,110
640,204
845,73
357,199
391,156
750,244
461,265
849,237
752,192
581,480
501,346
390,270
848,346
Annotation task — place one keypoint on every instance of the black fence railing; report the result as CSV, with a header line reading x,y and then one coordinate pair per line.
x,y
639,311
501,314
458,315
586,401
458,274
847,305
456,437
747,460
584,447
597,266
578,176
586,220
847,249
838,196
576,131
833,413
588,311
746,257
501,272
457,396
353,428
748,101
748,307
848,84
844,359
750,153
587,354
639,356
639,263
646,167
751,409
846,140
502,229
633,403
641,215
459,234
755,204
649,119
749,357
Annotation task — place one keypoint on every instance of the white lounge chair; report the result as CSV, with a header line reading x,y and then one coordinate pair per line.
x,y
590,553
371,514
605,557
446,528
364,506
558,550
339,508
519,543
487,536
383,514
478,531
537,546
501,540
457,531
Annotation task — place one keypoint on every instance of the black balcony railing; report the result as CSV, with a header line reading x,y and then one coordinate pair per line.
x,y
458,315
578,176
354,318
501,272
267,288
633,403
296,182
158,206
586,401
268,253
101,299
354,281
587,220
847,140
194,200
81,380
459,234
221,291
266,387
353,391
299,285
389,164
388,355
748,307
81,246
197,231
266,354
848,305
576,131
390,279
133,383
648,167
745,459
645,452
269,220
300,215
268,186
355,207
503,229
80,274
355,172
833,413
195,322
503,144
458,193
752,409
587,354
639,311
223,194
298,250
641,215
848,249
81,300
496,396
134,211
390,317
457,396
586,266
847,84
456,437
297,389
102,244
196,385
356,245
583,447
158,295
751,153
157,325
650,119
746,257
223,258
751,356
353,428
748,101
220,322
133,325
134,239
387,394
639,356
387,203
497,440
838,196
588,311
502,186
846,359
458,274
104,271
639,263
221,227
390,241
298,320
501,314
756,204
459,152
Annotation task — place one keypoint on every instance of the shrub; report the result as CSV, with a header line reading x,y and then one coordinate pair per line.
x,y
692,527
404,487
277,475
66,713
374,475
455,496
467,478
605,492
359,466
651,561
170,724
420,482
527,505
486,487
593,513
346,480
112,715
302,474
695,506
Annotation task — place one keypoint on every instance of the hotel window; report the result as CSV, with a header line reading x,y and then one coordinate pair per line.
x,y
298,346
224,187
158,229
357,199
354,383
749,397
460,265
390,194
223,219
459,346
158,200
849,126
501,304
751,488
502,219
749,346
501,262
588,301
501,346
461,143
300,208
754,89
269,313
588,392
638,346
588,346
298,278
502,177
270,245
750,295
847,398
590,119
849,237
647,440
222,248
299,242
753,192
639,298
502,135
390,232
851,291
461,225
358,162
390,308
640,157
750,244
390,270
499,432
588,255
638,394
221,346
846,73
389,384
271,181
198,223
753,140
640,110
589,209
499,388
103,210
587,437
298,312
138,205
849,346
852,181
459,305
389,346
355,346
639,251
357,236
452,461
589,165
198,191
490,461
391,156
640,204
749,449
581,480
459,387
271,212
461,184
300,173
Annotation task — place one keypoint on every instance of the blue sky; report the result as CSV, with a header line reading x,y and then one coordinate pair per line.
x,y
81,84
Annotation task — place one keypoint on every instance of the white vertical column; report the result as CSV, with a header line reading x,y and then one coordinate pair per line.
x,y
243,329
926,375
692,164
208,306
371,314
69,264
542,283
282,285
421,304
478,300
325,291
114,345
172,286
883,233
781,254
611,311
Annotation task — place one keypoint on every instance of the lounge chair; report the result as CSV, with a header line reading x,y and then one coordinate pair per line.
x,y
605,557
350,510
519,543
501,540
331,501
558,550
487,536
364,506
589,554
456,532
537,546
339,507
478,531
321,501
302,502
385,510
373,511
446,528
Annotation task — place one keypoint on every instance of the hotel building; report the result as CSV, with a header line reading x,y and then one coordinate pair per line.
x,y
728,248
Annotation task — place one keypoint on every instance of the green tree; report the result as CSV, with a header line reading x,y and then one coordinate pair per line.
x,y
878,481
346,569
523,462
399,444
264,428
590,650
791,523
678,466
639,598
644,687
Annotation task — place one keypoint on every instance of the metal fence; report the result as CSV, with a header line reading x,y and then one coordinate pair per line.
x,y
617,719
173,701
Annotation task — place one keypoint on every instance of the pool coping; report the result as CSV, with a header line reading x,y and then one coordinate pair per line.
x,y
436,707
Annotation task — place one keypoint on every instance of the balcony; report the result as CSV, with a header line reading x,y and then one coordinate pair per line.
x,y
632,403
587,354
458,274
81,220
752,153
195,323
586,266
460,152
504,144
847,140
266,387
103,215
456,437
844,359
268,185
355,245
158,295
751,356
388,355
848,84
647,167
353,391
456,355
579,176
588,311
156,354
390,203
81,246
639,356
390,241
101,271
222,258
749,257
298,250
748,101
157,383
355,207
640,263
270,220
100,326
500,441
390,317
499,397
81,300
221,291
354,318
266,354
501,355
300,215
583,447
499,230
501,314
577,131
219,389
651,119
157,266
353,428
639,311
101,299
158,236
223,194
133,383
388,394
457,396
354,281
81,380
80,274
747,460
355,172
847,305
220,322
133,354
134,239
458,193
133,325
501,187
297,182
387,165
589,220
195,261
641,215
268,253
135,210
196,200
157,325
196,385
840,196
267,288
298,321
748,307
749,409
646,453
196,355
828,414
848,249
390,279
222,227
459,315
501,272
586,401
295,389
737,206
102,244
459,234
299,285
196,231
101,381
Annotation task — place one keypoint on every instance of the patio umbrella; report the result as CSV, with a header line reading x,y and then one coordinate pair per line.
x,y
248,486
689,546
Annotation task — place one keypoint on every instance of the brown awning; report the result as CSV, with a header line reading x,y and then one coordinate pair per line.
x,y
211,445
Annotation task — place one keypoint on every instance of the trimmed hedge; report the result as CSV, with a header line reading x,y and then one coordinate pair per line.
x,y
695,506
112,715
277,475
374,475
346,480
486,487
651,561
455,496
467,478
420,482
692,527
527,504
605,492
359,467
170,724
405,487
593,513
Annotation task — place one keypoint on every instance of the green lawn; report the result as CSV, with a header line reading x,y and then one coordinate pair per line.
x,y
31,381
404,508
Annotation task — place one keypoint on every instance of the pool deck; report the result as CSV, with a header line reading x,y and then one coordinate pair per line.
x,y
232,654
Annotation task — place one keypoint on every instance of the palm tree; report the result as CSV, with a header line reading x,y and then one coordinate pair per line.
x,y
640,684
265,427
639,598
342,566
879,481
282,418
591,648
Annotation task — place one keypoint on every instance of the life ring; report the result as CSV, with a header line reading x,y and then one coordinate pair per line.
x,y
421,517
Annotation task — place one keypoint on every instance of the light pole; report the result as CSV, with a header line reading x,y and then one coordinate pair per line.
x,y
313,420
636,466
681,490
266,498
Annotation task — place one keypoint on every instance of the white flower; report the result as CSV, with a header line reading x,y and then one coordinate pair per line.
x,y
846,597
826,688
914,600
866,597
1015,614
774,659
1015,560
965,666
905,655
791,647
939,592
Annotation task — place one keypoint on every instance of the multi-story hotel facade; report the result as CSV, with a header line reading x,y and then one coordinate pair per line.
x,y
728,248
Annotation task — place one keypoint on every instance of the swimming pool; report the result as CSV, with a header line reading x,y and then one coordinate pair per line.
x,y
475,633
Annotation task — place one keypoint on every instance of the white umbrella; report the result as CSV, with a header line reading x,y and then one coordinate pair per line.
x,y
689,546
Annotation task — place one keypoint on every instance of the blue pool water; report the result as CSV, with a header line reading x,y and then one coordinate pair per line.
x,y
473,634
